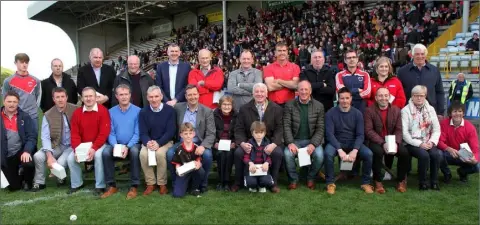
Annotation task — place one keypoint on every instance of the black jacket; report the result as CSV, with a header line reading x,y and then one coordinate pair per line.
x,y
145,82
217,114
86,78
326,75
49,84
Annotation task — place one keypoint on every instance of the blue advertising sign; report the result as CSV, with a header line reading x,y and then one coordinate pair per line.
x,y
472,107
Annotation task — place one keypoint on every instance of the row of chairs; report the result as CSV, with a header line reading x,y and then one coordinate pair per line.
x,y
462,38
449,62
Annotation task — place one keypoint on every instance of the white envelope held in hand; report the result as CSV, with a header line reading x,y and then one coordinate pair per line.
x,y
224,145
217,95
152,159
391,144
186,168
81,151
391,98
303,157
259,171
3,182
58,170
117,150
344,165
465,152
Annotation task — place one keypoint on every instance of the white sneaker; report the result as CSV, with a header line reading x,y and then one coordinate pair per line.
x,y
387,176
252,190
262,190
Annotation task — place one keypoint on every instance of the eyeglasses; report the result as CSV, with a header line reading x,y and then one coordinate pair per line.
x,y
419,96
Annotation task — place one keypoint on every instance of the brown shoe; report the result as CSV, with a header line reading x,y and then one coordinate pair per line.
x,y
367,188
149,190
163,189
402,186
331,189
275,189
321,175
234,188
132,193
292,186
110,192
379,187
311,185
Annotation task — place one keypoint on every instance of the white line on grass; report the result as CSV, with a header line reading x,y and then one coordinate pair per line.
x,y
46,198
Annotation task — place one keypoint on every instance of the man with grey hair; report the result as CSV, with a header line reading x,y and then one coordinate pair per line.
x,y
138,81
259,109
241,81
97,75
460,89
420,72
172,76
57,79
125,133
156,129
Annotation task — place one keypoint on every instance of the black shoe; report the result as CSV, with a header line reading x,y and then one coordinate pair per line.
x,y
422,187
73,190
435,187
27,187
203,190
226,187
219,187
463,176
38,187
99,191
60,182
447,178
196,193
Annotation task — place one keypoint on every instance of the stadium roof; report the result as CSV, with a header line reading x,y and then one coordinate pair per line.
x,y
89,13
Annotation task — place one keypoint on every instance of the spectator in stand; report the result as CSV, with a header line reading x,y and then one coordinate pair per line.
x,y
472,44
241,81
57,79
137,80
322,79
281,77
420,72
433,28
304,56
356,80
421,132
207,78
460,89
98,76
455,131
384,78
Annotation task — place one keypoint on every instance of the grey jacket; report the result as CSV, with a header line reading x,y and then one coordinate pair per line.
x,y
291,121
124,78
240,85
205,124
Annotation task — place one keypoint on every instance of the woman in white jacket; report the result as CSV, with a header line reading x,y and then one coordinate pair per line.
x,y
421,132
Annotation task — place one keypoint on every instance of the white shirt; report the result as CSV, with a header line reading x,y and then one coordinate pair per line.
x,y
95,108
97,74
172,73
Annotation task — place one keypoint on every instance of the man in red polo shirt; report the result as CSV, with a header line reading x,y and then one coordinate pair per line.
x,y
281,77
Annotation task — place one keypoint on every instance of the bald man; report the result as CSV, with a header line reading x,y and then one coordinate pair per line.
x,y
57,79
97,75
138,81
207,78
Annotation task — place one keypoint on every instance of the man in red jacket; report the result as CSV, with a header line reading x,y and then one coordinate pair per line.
x,y
90,123
456,131
208,79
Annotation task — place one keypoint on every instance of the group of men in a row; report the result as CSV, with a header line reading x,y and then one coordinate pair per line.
x,y
147,115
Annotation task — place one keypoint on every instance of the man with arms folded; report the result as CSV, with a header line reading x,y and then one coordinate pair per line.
x,y
124,131
202,119
344,130
263,110
207,78
56,143
281,77
57,79
303,126
172,76
90,123
241,81
157,129
455,131
382,119
18,141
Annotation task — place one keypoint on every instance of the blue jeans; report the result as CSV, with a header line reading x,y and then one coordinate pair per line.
x,y
207,159
109,164
317,161
364,154
192,180
76,179
466,168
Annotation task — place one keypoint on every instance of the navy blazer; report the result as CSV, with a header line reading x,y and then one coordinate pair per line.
x,y
28,135
163,80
